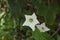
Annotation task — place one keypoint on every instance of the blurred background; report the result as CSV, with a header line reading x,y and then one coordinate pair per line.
x,y
12,17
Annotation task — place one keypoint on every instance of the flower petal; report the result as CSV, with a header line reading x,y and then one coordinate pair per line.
x,y
42,27
34,16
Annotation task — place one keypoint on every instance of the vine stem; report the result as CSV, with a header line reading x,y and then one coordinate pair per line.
x,y
56,31
48,4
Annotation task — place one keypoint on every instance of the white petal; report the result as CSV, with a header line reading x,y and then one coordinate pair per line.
x,y
39,27
42,26
27,17
36,21
34,16
32,27
25,24
46,29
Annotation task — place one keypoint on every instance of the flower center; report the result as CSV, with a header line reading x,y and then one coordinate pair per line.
x,y
43,28
30,20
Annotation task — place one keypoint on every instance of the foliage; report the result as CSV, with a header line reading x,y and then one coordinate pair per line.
x,y
14,17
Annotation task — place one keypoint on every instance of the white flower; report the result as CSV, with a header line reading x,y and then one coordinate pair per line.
x,y
31,21
1,14
42,27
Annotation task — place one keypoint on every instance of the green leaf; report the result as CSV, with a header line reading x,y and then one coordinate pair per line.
x,y
52,11
50,17
58,37
16,6
41,36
